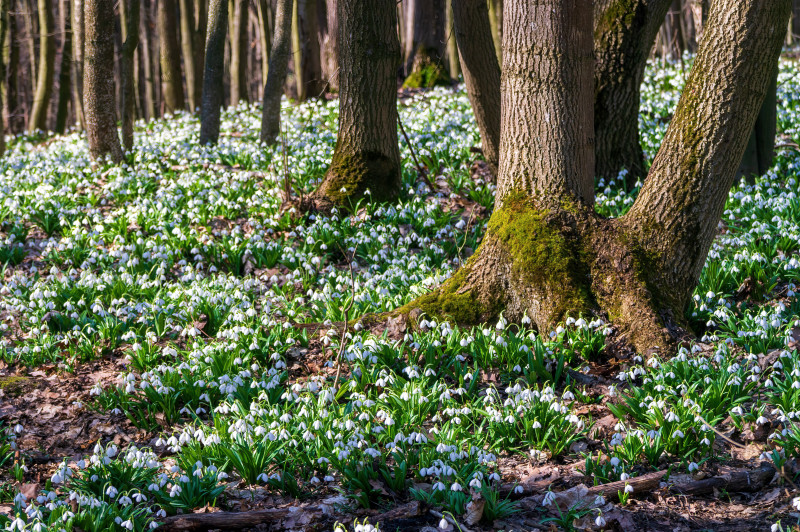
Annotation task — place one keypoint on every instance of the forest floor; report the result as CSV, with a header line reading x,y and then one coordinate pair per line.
x,y
175,354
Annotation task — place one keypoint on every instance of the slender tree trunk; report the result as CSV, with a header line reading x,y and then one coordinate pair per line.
x,y
276,77
329,48
264,36
546,253
131,36
425,44
77,59
496,22
64,81
199,47
4,8
238,24
307,61
481,72
213,88
44,79
171,80
760,151
623,39
366,156
148,67
98,81
187,46
14,113
452,46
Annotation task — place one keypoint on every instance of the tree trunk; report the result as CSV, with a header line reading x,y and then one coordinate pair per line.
x,y
264,36
148,67
623,38
4,5
171,80
496,23
329,48
760,151
546,253
366,156
64,75
77,59
425,44
131,36
14,113
309,82
187,47
276,77
44,79
481,72
238,24
452,46
98,81
213,88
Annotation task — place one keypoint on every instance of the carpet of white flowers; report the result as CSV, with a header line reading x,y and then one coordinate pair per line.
x,y
183,263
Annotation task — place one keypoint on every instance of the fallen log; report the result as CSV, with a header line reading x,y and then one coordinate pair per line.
x,y
642,484
735,481
243,520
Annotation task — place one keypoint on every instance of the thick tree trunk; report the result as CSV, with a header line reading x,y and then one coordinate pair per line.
x,y
481,72
276,77
623,39
546,253
47,56
305,41
77,59
171,79
424,52
366,156
65,70
98,81
238,65
213,88
131,36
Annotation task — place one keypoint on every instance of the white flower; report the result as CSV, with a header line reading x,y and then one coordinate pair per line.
x,y
549,497
599,521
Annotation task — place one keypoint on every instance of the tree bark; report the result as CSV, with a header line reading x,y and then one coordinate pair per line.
x,y
14,111
148,67
309,82
77,59
546,253
64,74
213,88
481,72
496,23
329,48
451,44
131,37
4,8
624,34
424,52
265,36
171,80
276,77
238,65
760,151
46,73
192,33
366,156
98,81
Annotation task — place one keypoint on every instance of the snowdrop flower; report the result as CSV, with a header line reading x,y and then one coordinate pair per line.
x,y
549,497
599,521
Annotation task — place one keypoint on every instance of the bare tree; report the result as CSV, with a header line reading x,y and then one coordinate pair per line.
x,y
171,79
276,77
130,25
213,71
47,56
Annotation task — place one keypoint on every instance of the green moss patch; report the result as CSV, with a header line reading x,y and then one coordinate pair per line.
x,y
13,385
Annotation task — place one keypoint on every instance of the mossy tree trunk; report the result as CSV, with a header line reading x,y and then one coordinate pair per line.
x,y
276,76
238,64
366,156
546,253
130,23
624,33
98,81
214,70
170,57
47,67
481,72
424,54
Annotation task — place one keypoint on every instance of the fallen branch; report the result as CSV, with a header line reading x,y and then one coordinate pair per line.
x,y
405,511
735,481
243,520
643,484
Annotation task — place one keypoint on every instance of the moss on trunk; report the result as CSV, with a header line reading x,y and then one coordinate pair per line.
x,y
351,176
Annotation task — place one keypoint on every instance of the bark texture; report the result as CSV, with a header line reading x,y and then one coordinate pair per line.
x,y
264,35
329,48
47,67
4,4
77,58
148,66
452,46
171,79
546,253
624,33
98,81
425,44
238,63
481,72
131,23
366,154
760,151
193,31
309,81
276,77
214,71
65,70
